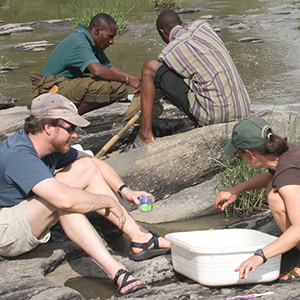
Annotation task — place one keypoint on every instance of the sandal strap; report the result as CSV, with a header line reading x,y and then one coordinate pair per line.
x,y
118,274
292,274
125,281
145,246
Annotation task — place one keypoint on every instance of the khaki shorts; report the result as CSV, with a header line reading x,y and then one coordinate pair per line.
x,y
15,232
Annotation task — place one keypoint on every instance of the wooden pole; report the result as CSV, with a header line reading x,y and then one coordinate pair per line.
x,y
54,89
112,141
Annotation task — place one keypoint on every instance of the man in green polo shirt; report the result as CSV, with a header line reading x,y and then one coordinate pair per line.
x,y
82,72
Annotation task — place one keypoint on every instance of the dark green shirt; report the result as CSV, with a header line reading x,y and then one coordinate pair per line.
x,y
74,54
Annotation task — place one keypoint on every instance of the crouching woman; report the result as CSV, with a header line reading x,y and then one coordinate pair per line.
x,y
255,143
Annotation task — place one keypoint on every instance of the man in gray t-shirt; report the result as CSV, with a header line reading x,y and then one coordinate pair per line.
x,y
33,198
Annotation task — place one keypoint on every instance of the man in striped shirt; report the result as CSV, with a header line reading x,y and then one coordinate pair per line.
x,y
196,73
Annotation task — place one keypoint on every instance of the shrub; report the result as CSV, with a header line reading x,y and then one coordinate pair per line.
x,y
84,16
166,3
249,202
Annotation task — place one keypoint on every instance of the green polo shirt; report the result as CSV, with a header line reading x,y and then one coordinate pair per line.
x,y
74,54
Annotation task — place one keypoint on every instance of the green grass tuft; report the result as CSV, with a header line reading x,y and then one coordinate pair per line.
x,y
249,202
83,15
167,3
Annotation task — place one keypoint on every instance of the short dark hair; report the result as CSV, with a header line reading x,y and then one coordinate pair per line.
x,y
102,20
34,124
167,20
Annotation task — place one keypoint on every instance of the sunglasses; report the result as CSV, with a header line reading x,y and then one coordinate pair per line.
x,y
238,154
69,129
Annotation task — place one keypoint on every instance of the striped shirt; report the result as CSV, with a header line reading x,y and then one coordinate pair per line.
x,y
217,93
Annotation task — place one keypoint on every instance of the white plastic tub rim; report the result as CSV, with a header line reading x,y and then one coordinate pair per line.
x,y
221,241
210,257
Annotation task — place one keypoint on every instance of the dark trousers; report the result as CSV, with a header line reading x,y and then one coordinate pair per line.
x,y
174,89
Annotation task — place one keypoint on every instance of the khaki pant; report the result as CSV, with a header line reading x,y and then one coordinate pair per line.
x,y
81,89
15,231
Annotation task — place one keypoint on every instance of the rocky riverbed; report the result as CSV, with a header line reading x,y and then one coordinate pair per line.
x,y
179,169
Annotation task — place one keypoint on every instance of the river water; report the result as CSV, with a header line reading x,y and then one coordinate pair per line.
x,y
270,68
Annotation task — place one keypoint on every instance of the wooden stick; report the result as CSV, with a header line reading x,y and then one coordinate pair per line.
x,y
111,142
54,89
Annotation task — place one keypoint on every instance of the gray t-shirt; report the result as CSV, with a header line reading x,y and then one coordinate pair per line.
x,y
21,168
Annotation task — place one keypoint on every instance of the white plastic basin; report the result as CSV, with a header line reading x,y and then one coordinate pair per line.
x,y
210,257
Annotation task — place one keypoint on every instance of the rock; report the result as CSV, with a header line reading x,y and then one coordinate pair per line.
x,y
207,17
24,276
58,21
12,119
190,203
110,120
187,10
27,27
175,162
240,26
21,29
7,102
34,46
4,32
6,69
162,282
190,154
14,28
250,40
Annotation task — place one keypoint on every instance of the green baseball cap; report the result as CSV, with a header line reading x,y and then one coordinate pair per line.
x,y
249,133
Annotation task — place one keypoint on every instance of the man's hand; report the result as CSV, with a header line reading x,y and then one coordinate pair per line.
x,y
116,210
132,196
135,81
225,198
251,264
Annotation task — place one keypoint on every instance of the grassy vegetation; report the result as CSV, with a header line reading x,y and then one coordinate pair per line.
x,y
3,64
83,11
249,202
83,15
167,3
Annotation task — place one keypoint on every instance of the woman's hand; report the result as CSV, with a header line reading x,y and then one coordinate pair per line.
x,y
251,264
225,198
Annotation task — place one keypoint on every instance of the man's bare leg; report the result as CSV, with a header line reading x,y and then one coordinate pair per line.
x,y
85,107
148,93
84,174
92,180
79,230
41,214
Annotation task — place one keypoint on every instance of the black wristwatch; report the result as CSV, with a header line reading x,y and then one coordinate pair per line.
x,y
121,188
260,253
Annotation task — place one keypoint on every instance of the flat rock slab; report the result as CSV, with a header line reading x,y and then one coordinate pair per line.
x,y
189,203
24,276
34,46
